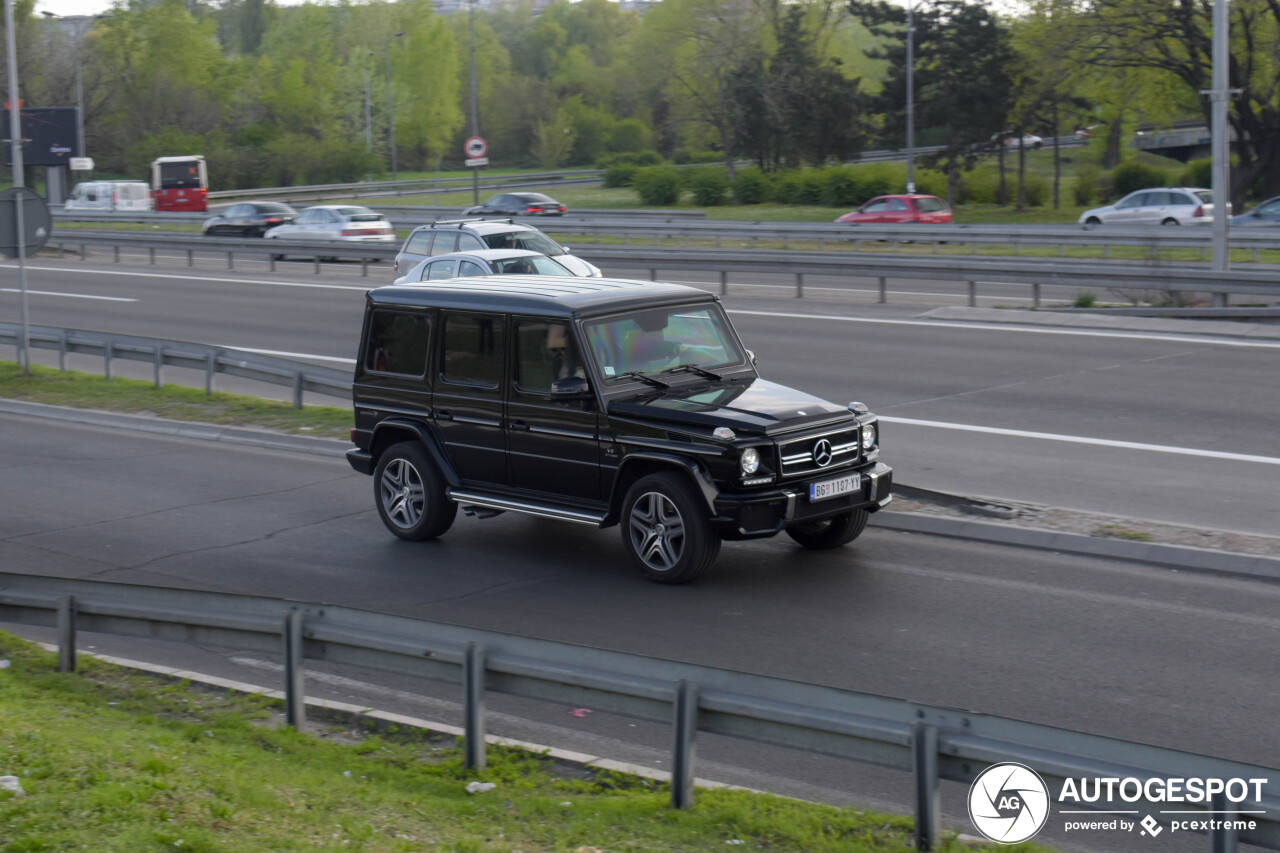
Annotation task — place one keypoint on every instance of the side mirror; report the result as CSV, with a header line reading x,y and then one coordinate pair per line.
x,y
571,388
751,356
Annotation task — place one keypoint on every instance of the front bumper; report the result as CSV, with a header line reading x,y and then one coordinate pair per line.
x,y
758,514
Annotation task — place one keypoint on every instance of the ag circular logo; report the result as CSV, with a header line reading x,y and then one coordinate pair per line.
x,y
1008,803
822,453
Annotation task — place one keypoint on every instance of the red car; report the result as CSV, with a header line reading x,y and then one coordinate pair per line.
x,y
901,208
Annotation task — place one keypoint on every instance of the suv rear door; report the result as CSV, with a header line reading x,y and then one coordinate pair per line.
x,y
468,394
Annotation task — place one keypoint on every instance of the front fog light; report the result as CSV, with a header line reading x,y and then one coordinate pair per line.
x,y
750,461
868,436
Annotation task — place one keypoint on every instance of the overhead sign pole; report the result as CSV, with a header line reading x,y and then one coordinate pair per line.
x,y
1220,98
15,140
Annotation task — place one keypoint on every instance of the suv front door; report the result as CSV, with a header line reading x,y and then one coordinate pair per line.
x,y
552,443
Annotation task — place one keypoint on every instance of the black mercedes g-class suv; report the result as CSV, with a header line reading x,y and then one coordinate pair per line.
x,y
602,402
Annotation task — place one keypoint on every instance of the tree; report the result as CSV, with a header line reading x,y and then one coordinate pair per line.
x,y
962,85
1174,37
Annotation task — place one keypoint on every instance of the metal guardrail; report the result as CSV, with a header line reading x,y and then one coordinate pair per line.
x,y
164,353
415,186
792,263
930,742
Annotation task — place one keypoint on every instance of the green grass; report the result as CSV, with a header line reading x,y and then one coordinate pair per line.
x,y
86,391
112,760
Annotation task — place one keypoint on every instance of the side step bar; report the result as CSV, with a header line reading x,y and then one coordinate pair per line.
x,y
465,498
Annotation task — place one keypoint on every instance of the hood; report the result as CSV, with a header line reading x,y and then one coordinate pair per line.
x,y
578,266
757,406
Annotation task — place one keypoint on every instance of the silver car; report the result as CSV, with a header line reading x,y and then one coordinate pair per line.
x,y
1156,206
338,223
483,262
471,235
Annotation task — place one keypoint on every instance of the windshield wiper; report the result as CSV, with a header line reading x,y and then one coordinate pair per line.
x,y
693,368
635,374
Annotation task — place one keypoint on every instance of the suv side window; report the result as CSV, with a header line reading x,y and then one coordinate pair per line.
x,y
397,343
544,353
419,242
470,243
445,243
472,349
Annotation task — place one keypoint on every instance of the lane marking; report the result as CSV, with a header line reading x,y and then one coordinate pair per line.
x,y
999,327
194,277
1093,442
68,295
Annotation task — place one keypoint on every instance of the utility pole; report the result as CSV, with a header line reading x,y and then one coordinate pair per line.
x,y
15,147
911,97
391,110
1220,96
475,112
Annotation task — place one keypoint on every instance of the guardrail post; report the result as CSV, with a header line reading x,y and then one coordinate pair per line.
x,y
685,723
295,698
724,282
116,254
159,354
107,353
271,260
210,365
1223,839
1220,300
473,706
799,285
62,251
191,257
924,755
1035,295
317,259
653,275
973,294
152,252
884,289
67,634
62,350
297,389
84,252
364,267
231,260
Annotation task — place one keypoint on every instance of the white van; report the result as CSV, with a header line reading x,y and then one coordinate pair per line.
x,y
110,195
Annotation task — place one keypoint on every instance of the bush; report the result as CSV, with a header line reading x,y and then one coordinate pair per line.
x,y
1086,188
981,186
620,175
634,158
1035,190
752,186
840,187
1199,173
657,185
710,186
1135,176
800,187
684,156
931,182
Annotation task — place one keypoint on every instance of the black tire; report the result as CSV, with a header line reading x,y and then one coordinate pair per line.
x,y
1171,221
1092,222
666,531
830,532
409,493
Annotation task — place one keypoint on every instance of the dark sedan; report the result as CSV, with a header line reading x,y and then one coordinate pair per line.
x,y
1267,213
249,219
520,204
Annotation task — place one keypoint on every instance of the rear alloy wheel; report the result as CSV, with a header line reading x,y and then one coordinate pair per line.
x,y
409,492
665,529
830,532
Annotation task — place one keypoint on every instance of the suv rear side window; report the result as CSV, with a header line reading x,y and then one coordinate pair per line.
x,y
397,343
470,243
419,242
473,349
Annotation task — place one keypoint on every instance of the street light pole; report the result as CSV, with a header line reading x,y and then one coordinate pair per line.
x,y
391,110
911,97
15,148
475,113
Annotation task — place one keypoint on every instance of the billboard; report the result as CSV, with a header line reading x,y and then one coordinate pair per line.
x,y
48,136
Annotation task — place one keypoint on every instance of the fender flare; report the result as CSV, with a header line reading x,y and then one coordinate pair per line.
x,y
424,434
696,471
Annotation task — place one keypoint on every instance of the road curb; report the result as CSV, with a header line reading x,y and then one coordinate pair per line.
x,y
1171,556
1180,557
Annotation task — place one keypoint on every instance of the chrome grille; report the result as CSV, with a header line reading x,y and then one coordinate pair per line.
x,y
802,456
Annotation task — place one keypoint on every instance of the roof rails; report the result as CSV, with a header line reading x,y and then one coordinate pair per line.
x,y
461,222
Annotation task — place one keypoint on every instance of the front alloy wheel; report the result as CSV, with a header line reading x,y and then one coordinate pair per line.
x,y
665,530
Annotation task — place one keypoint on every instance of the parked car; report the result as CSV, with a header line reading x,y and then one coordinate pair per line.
x,y
469,235
337,223
109,195
1266,213
900,208
1156,206
1009,139
249,219
519,204
602,402
483,262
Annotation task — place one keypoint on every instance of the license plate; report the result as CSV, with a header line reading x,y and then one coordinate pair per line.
x,y
834,488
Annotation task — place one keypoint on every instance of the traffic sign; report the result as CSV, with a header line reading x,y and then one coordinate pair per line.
x,y
477,161
36,223
80,164
476,147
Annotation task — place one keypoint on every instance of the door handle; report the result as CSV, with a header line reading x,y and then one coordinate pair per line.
x,y
444,416
518,426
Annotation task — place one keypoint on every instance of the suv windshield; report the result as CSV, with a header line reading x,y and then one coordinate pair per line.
x,y
658,339
534,241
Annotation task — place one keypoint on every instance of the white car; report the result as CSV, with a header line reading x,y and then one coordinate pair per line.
x,y
484,262
1156,206
338,223
1009,139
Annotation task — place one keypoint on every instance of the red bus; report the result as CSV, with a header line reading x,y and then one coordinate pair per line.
x,y
180,183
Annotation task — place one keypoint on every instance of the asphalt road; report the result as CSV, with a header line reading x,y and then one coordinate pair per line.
x,y
1134,652
1174,428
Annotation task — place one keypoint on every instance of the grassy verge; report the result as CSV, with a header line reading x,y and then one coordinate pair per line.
x,y
111,760
86,391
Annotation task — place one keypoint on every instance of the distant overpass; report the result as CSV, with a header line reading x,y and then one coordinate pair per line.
x,y
1180,143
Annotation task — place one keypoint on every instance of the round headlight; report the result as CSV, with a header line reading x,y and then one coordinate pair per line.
x,y
750,460
868,436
